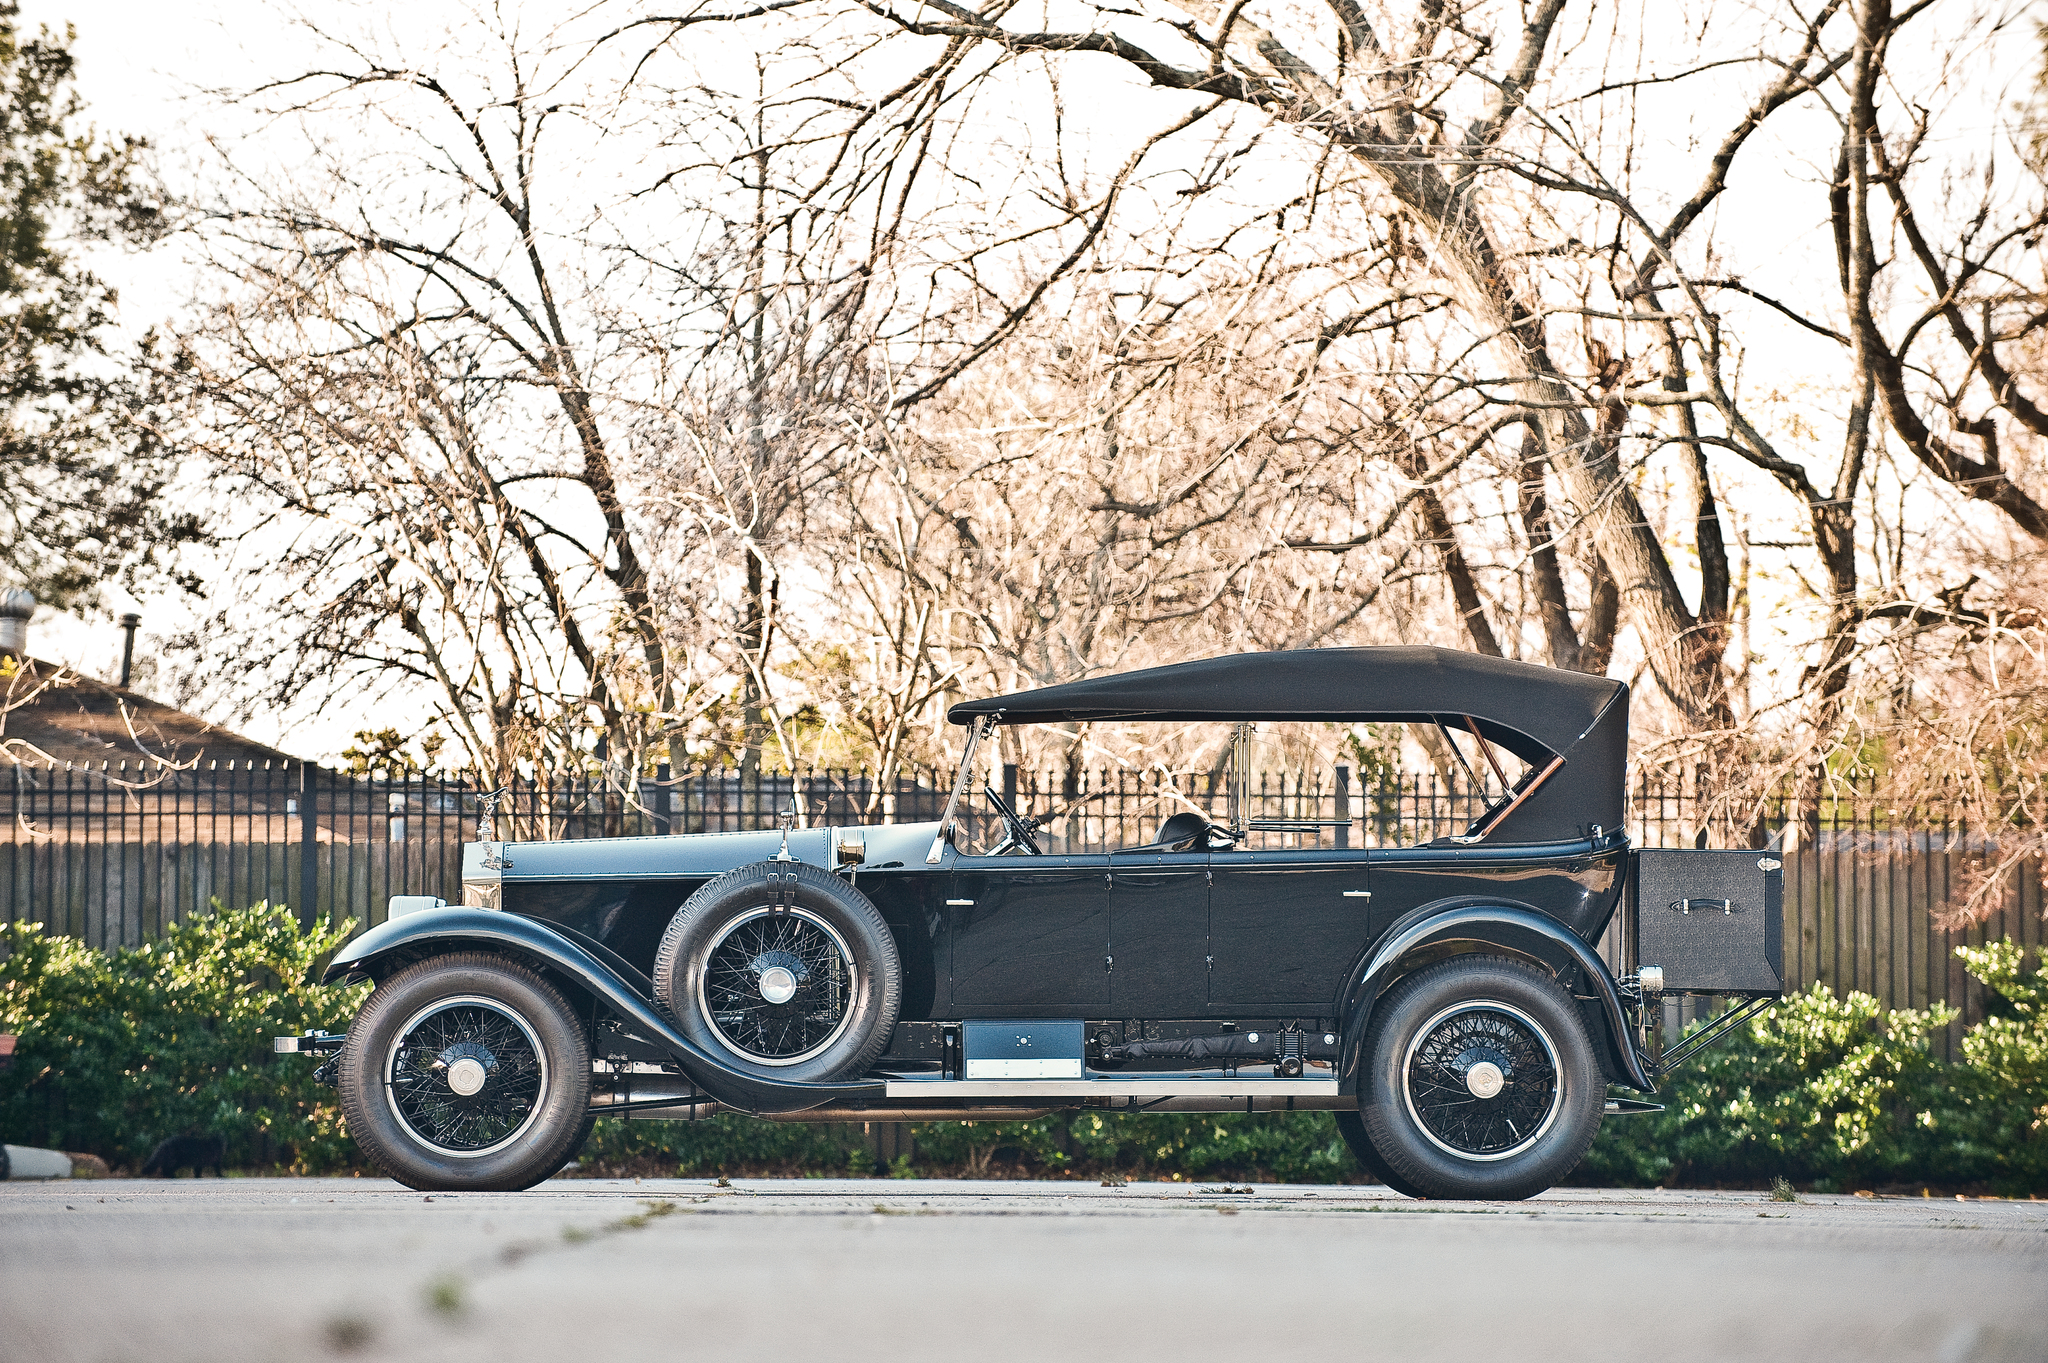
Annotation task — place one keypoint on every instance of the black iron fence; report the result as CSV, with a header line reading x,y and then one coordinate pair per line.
x,y
111,856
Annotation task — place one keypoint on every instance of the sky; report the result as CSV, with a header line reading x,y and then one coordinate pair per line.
x,y
144,67
137,63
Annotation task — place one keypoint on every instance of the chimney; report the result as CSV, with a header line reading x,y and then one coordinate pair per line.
x,y
128,624
16,606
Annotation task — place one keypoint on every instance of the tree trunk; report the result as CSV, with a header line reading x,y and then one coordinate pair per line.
x,y
1436,523
1558,633
1587,466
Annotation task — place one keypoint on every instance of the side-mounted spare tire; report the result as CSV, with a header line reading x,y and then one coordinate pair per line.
x,y
782,970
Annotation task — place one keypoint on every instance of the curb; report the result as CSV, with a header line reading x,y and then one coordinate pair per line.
x,y
26,1161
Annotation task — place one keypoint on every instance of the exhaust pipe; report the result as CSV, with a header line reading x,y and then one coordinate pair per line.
x,y
681,1112
665,1098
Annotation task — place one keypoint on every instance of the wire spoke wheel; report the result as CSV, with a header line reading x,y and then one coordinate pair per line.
x,y
783,970
777,985
466,1076
1481,1080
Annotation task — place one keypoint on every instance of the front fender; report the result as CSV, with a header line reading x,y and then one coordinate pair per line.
x,y
1515,927
432,931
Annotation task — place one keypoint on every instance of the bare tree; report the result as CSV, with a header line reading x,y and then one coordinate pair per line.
x,y
408,309
1094,337
1382,103
1501,183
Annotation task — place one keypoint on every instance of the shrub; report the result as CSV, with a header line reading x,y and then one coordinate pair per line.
x,y
728,1144
1296,1148
2003,1085
119,1050
1845,1093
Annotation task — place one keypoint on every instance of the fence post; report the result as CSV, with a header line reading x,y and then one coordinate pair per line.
x,y
309,845
1343,805
661,798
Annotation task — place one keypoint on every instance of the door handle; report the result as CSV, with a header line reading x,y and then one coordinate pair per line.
x,y
1358,894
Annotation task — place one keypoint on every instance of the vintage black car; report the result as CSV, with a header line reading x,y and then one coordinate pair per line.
x,y
1446,1001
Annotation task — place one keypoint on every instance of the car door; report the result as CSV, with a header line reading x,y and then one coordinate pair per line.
x,y
1158,934
1030,936
1284,927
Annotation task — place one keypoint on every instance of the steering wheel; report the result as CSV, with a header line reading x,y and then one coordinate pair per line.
x,y
1019,831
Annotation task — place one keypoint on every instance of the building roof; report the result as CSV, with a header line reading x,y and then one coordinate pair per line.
x,y
55,715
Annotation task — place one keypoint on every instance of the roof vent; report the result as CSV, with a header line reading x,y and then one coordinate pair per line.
x,y
16,606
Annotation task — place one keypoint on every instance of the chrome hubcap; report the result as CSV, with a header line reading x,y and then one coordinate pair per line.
x,y
466,1076
1481,1080
778,984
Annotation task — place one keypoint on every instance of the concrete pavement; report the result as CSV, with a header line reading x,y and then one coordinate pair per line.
x,y
315,1269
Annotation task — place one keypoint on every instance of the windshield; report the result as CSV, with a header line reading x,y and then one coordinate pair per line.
x,y
1263,787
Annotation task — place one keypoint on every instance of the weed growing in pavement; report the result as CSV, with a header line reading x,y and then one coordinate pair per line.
x,y
1781,1191
656,1209
448,1296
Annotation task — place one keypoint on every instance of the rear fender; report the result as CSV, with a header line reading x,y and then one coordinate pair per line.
x,y
434,932
1505,929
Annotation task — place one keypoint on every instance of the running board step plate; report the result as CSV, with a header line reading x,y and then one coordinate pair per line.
x,y
1630,1107
940,1090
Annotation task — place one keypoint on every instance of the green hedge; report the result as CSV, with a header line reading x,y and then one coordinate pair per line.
x,y
1295,1148
1843,1093
118,1051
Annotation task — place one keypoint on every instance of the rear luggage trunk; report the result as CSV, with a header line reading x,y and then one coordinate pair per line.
x,y
1712,921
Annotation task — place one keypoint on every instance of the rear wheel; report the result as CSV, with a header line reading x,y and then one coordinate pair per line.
x,y
1351,1126
466,1071
1483,1083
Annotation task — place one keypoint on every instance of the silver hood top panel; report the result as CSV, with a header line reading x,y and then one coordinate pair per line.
x,y
684,856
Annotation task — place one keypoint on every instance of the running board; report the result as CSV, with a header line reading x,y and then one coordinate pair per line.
x,y
946,1090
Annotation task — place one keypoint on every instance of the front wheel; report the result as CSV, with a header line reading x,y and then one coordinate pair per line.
x,y
466,1072
1483,1083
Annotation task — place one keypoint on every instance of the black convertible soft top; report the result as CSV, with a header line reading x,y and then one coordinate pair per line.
x,y
1537,713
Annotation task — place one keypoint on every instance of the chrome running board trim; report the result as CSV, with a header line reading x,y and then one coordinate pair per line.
x,y
946,1089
